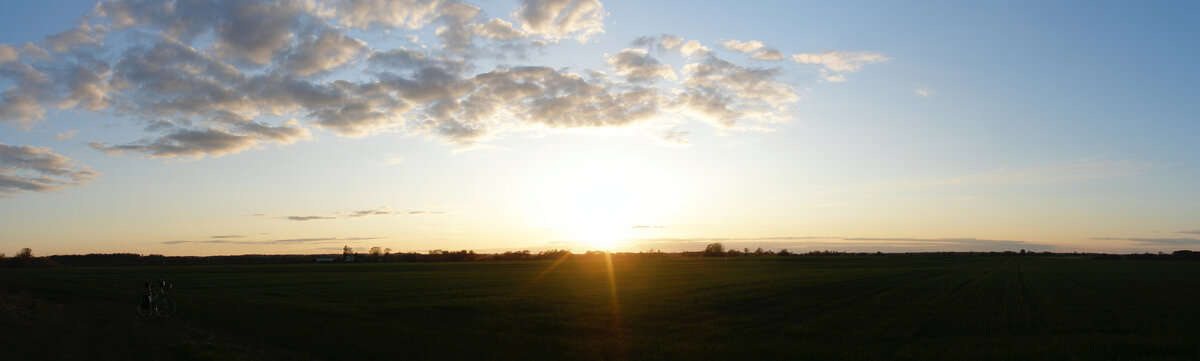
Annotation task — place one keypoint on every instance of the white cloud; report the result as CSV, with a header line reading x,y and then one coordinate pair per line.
x,y
743,46
21,103
500,30
31,50
38,169
923,92
255,31
88,89
767,54
80,35
234,136
637,65
66,135
411,14
8,53
216,77
317,53
693,48
676,137
556,19
834,64
725,93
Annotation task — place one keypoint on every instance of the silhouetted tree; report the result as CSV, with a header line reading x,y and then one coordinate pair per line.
x,y
784,252
553,254
346,250
759,252
25,254
376,252
714,250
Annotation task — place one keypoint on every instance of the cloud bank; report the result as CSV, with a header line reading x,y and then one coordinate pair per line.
x,y
1157,242
358,214
851,244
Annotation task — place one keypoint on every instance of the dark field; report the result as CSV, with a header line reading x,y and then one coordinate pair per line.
x,y
841,307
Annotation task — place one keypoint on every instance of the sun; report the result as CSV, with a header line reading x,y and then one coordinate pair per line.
x,y
602,204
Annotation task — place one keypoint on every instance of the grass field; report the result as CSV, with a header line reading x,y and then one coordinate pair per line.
x,y
838,307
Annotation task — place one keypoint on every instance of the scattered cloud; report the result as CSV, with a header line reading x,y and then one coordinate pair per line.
x,y
324,51
80,35
743,46
219,139
218,77
66,135
308,218
394,160
1157,242
637,65
676,137
555,19
724,93
833,65
1194,231
38,169
227,236
922,91
363,213
276,241
768,54
8,53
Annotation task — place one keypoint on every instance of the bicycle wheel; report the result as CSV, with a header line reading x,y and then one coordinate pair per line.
x,y
165,306
144,307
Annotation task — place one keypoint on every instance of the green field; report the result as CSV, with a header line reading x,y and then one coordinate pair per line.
x,y
836,307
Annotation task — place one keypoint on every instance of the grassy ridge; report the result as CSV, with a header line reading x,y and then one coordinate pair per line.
x,y
893,307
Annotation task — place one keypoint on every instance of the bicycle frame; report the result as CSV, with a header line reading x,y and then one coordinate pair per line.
x,y
154,297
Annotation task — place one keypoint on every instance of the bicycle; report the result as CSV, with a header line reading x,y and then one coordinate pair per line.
x,y
157,301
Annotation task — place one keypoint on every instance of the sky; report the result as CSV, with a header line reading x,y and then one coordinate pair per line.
x,y
215,127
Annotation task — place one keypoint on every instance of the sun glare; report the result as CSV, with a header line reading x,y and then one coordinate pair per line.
x,y
602,203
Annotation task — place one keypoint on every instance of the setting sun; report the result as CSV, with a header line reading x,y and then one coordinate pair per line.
x,y
598,203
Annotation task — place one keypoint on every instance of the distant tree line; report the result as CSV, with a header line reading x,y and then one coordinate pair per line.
x,y
1177,255
26,258
717,249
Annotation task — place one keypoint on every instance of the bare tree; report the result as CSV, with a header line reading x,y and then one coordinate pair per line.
x,y
347,250
714,250
25,254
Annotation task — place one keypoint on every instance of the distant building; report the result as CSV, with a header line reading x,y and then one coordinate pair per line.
x,y
325,259
349,258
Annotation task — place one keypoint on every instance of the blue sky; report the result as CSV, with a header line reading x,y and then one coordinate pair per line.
x,y
862,126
